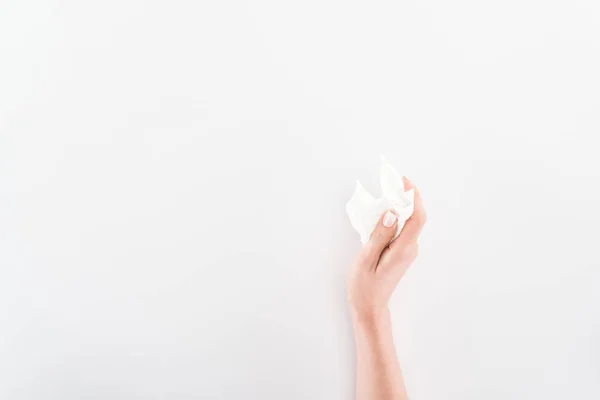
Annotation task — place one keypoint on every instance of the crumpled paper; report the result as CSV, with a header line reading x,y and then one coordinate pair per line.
x,y
364,210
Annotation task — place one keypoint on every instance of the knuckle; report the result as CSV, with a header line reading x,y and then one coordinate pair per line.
x,y
378,236
381,236
361,258
364,262
358,257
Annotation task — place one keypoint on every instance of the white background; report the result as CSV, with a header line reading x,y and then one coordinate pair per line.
x,y
173,178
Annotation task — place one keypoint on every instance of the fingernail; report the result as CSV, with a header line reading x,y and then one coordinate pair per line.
x,y
389,219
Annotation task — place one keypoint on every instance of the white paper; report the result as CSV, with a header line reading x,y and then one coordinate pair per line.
x,y
364,210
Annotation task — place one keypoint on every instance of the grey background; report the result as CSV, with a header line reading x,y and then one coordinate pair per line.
x,y
173,178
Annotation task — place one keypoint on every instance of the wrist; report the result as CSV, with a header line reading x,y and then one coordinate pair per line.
x,y
373,318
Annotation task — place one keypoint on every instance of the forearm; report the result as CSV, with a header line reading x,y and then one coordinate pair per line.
x,y
378,374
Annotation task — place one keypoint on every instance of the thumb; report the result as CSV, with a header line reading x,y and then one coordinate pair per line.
x,y
381,237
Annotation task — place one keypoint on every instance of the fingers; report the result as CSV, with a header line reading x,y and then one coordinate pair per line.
x,y
380,238
404,249
412,228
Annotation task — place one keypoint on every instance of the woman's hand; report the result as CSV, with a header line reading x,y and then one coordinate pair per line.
x,y
376,271
380,265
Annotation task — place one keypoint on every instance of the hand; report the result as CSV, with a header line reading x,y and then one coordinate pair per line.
x,y
380,265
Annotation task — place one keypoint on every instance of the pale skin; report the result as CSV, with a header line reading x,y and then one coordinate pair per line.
x,y
376,271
